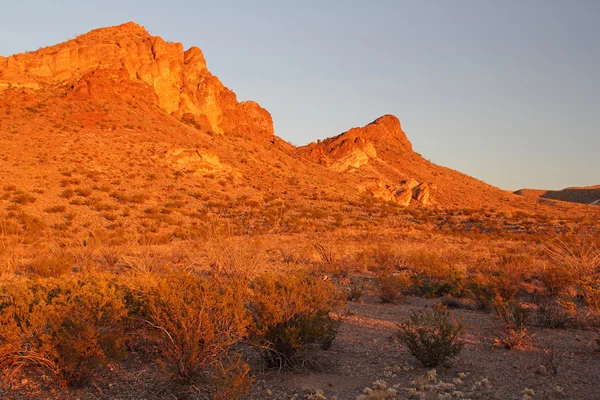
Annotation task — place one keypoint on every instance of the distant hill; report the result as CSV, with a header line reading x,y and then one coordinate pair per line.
x,y
583,195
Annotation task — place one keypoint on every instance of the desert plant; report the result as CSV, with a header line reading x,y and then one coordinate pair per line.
x,y
290,313
67,326
432,336
552,358
557,280
391,287
193,321
328,251
580,258
235,257
555,313
515,333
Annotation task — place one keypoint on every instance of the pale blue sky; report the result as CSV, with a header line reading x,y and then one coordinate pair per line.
x,y
506,91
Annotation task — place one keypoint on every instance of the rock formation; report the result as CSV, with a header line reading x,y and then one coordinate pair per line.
x,y
101,61
404,194
202,163
354,148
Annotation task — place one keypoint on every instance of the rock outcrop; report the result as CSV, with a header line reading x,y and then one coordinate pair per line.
x,y
354,148
179,82
407,192
202,163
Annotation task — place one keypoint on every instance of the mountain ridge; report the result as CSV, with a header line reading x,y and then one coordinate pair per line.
x,y
103,139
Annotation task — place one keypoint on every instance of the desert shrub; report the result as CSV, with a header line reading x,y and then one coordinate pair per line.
x,y
291,312
391,287
354,291
194,323
23,198
515,318
552,358
432,286
432,336
555,312
557,280
67,326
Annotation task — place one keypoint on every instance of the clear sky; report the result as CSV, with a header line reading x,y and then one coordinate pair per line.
x,y
506,91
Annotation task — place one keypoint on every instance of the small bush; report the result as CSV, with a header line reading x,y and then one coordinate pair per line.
x,y
292,312
515,333
23,198
391,287
67,326
83,192
557,280
555,313
193,322
67,193
55,209
432,336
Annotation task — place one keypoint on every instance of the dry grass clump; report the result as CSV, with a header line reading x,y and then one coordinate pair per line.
x,y
432,336
235,257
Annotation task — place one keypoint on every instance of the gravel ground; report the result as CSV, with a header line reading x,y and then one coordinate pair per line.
x,y
365,352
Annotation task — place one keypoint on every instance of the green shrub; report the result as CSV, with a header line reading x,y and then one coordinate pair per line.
x,y
67,326
432,336
290,313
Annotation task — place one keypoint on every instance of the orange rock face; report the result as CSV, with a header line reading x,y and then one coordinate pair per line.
x,y
178,81
384,130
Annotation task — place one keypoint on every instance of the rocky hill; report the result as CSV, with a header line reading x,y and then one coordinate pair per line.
x,y
382,158
120,130
109,62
